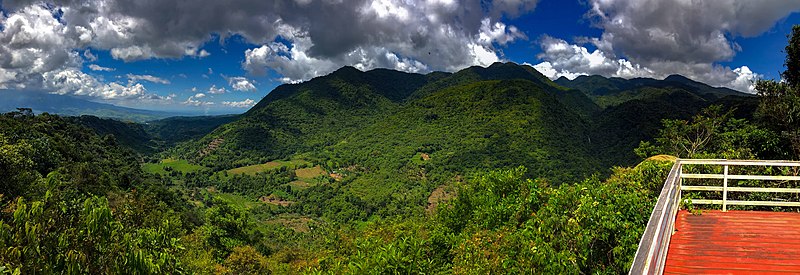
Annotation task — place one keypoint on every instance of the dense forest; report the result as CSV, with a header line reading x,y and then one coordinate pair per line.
x,y
482,171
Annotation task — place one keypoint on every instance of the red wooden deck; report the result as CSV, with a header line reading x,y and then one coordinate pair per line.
x,y
735,242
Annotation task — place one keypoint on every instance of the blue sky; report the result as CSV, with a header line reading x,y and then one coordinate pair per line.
x,y
169,55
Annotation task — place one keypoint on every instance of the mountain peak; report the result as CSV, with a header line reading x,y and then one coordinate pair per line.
x,y
346,70
679,78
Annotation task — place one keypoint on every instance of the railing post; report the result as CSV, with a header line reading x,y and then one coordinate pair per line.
x,y
725,189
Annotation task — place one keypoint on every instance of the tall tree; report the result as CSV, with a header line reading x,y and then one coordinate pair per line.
x,y
780,101
792,73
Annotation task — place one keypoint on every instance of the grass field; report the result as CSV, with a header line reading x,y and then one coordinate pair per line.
x,y
253,169
309,173
179,165
299,184
237,200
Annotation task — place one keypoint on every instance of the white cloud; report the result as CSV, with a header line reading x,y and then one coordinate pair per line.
x,y
194,101
745,80
33,42
239,83
95,67
74,82
656,38
498,33
247,103
89,56
570,61
308,38
147,77
687,31
214,90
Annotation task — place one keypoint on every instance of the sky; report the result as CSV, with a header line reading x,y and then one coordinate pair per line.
x,y
211,56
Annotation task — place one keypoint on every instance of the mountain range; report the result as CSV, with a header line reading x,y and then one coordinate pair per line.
x,y
504,115
42,102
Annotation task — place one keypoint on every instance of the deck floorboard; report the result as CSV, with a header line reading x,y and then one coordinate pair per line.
x,y
735,242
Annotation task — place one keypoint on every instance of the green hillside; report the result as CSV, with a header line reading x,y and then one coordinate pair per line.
x,y
606,92
434,173
173,130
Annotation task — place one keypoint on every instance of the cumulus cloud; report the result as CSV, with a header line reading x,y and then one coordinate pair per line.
x,y
214,90
297,40
401,35
687,31
656,38
95,67
564,59
195,101
247,103
39,51
239,83
147,77
33,42
74,82
89,56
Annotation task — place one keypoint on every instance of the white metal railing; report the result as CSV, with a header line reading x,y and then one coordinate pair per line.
x,y
651,255
726,176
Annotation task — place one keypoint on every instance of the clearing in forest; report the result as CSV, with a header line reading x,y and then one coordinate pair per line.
x,y
309,173
179,165
254,169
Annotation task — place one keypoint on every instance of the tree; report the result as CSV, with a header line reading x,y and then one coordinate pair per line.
x,y
686,139
792,73
713,133
246,260
780,101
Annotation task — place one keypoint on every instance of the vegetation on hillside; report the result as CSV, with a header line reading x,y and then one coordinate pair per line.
x,y
487,170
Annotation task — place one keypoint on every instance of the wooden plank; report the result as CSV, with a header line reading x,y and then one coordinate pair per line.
x,y
728,243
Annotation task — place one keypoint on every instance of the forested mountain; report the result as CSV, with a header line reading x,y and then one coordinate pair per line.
x,y
446,172
173,130
614,91
589,116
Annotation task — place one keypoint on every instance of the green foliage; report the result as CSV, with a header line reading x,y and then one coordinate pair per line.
x,y
75,202
129,134
589,227
246,260
168,165
502,222
174,130
53,236
792,73
779,108
713,133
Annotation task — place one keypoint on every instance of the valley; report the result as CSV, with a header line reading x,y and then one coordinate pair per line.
x,y
446,171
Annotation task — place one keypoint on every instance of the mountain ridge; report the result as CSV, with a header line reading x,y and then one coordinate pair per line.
x,y
42,102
